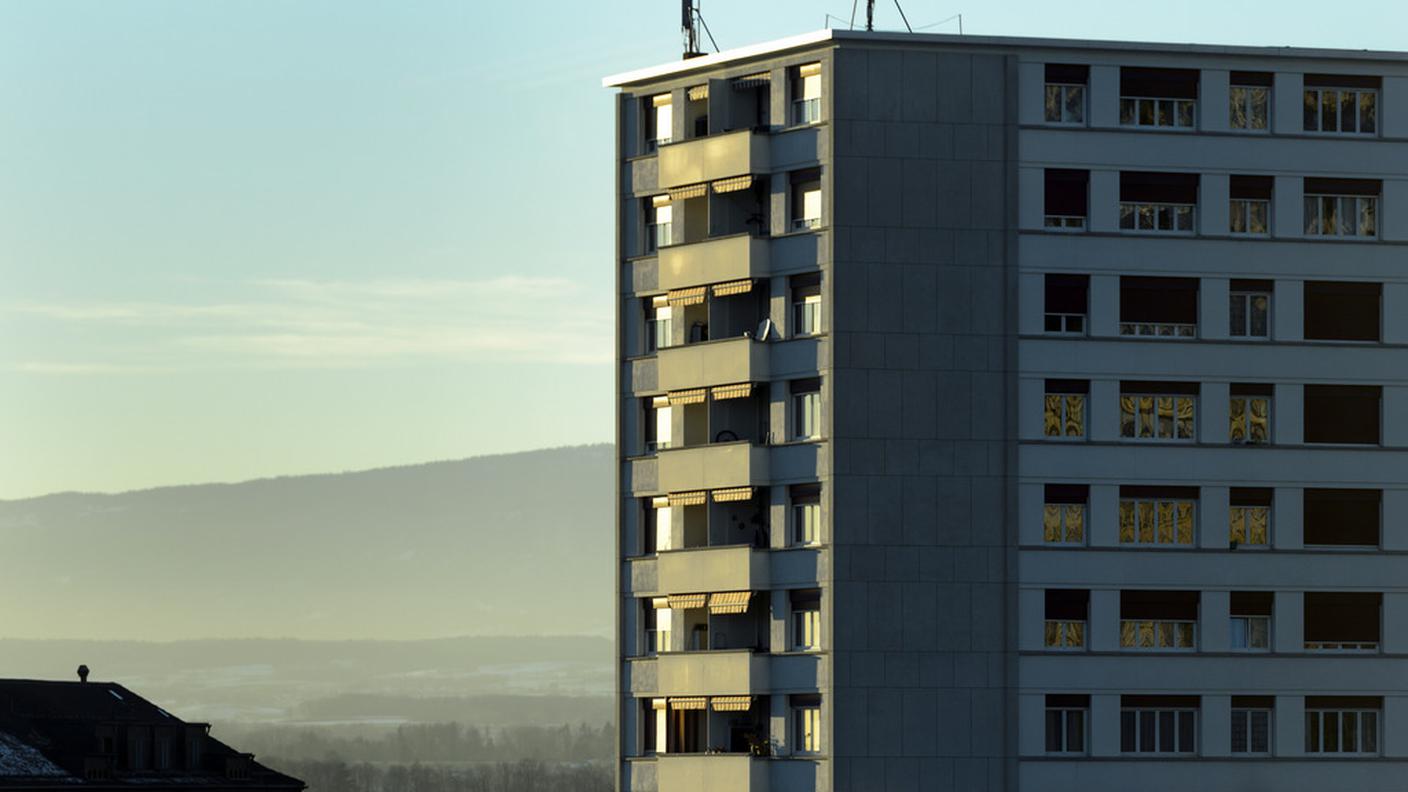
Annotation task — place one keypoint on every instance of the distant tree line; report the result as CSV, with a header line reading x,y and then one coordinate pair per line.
x,y
335,775
426,743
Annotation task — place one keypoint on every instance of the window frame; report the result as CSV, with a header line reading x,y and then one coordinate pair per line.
x,y
1135,211
1360,93
1316,229
1064,715
653,144
1138,721
799,525
1246,420
800,220
1131,505
1156,631
806,729
1247,632
1246,509
803,621
1244,211
1360,713
1249,298
1065,635
1249,731
658,327
804,306
806,409
1136,418
1063,418
804,110
1065,89
1248,107
1063,525
1137,103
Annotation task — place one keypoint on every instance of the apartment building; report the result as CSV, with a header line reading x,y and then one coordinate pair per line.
x,y
1012,414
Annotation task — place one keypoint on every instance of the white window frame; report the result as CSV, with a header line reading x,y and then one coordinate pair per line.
x,y
806,315
806,95
1063,512
1134,507
1157,103
1066,406
1147,217
661,328
1064,91
1240,632
664,429
1241,208
806,522
806,622
1248,299
1064,714
806,729
1183,635
1058,635
811,203
806,415
1359,94
1157,436
1314,205
1316,723
1066,320
659,233
1248,715
664,133
1246,438
1157,712
1249,108
1066,224
1247,509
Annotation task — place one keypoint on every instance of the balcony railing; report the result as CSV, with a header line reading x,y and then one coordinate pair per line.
x,y
1344,647
657,235
1157,218
1159,329
1065,222
1065,634
1158,634
1157,111
806,111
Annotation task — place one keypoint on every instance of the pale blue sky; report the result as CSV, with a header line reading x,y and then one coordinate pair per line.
x,y
260,237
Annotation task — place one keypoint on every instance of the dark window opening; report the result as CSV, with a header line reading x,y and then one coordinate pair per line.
x,y
1067,199
1263,79
1179,605
1159,83
1252,187
1157,187
1342,414
1158,306
1340,621
1342,311
1067,303
1342,517
1067,604
1068,73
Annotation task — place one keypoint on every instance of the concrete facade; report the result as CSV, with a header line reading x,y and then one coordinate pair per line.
x,y
931,457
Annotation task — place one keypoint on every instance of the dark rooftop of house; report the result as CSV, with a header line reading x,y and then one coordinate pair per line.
x,y
100,735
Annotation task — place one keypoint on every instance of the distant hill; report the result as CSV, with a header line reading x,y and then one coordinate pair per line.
x,y
519,544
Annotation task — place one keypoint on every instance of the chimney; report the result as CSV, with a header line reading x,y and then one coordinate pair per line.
x,y
83,673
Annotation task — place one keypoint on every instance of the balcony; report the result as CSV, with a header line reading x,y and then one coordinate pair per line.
x,y
731,568
706,364
725,672
709,467
706,159
696,773
713,260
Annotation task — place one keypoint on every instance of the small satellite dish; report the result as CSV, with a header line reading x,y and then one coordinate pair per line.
x,y
764,329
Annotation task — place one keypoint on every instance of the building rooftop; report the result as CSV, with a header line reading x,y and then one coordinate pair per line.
x,y
777,46
102,735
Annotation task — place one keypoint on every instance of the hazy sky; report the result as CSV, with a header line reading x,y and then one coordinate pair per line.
x,y
257,237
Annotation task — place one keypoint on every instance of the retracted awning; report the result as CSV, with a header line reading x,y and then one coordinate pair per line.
x,y
750,81
691,396
689,191
733,184
733,287
733,494
687,601
732,703
698,93
689,703
694,295
740,391
729,602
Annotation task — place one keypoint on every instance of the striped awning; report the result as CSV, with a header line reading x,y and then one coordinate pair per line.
x,y
657,703
740,391
687,498
750,81
733,184
733,287
731,703
658,201
698,93
694,295
691,396
689,191
728,602
733,494
689,703
688,601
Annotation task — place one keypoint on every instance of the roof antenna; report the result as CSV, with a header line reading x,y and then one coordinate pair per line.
x,y
690,20
869,15
902,16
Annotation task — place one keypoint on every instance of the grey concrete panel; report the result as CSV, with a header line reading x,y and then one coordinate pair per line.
x,y
919,88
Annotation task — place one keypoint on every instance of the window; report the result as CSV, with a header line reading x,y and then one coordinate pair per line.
x,y
806,409
656,534
1067,300
1157,515
1341,517
1249,98
1342,311
1249,212
1066,616
657,623
1158,307
1342,414
1067,199
1159,203
658,428
806,199
806,305
1342,622
1249,517
1342,207
659,121
1065,93
1158,411
1158,724
1341,104
654,721
806,621
1063,515
1250,303
659,226
806,94
659,324
1066,717
806,514
1249,414
1159,621
1251,725
806,724
1334,729
1250,621
1161,98
696,111
1065,408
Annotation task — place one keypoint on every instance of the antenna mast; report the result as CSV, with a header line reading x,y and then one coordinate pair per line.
x,y
689,26
869,14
